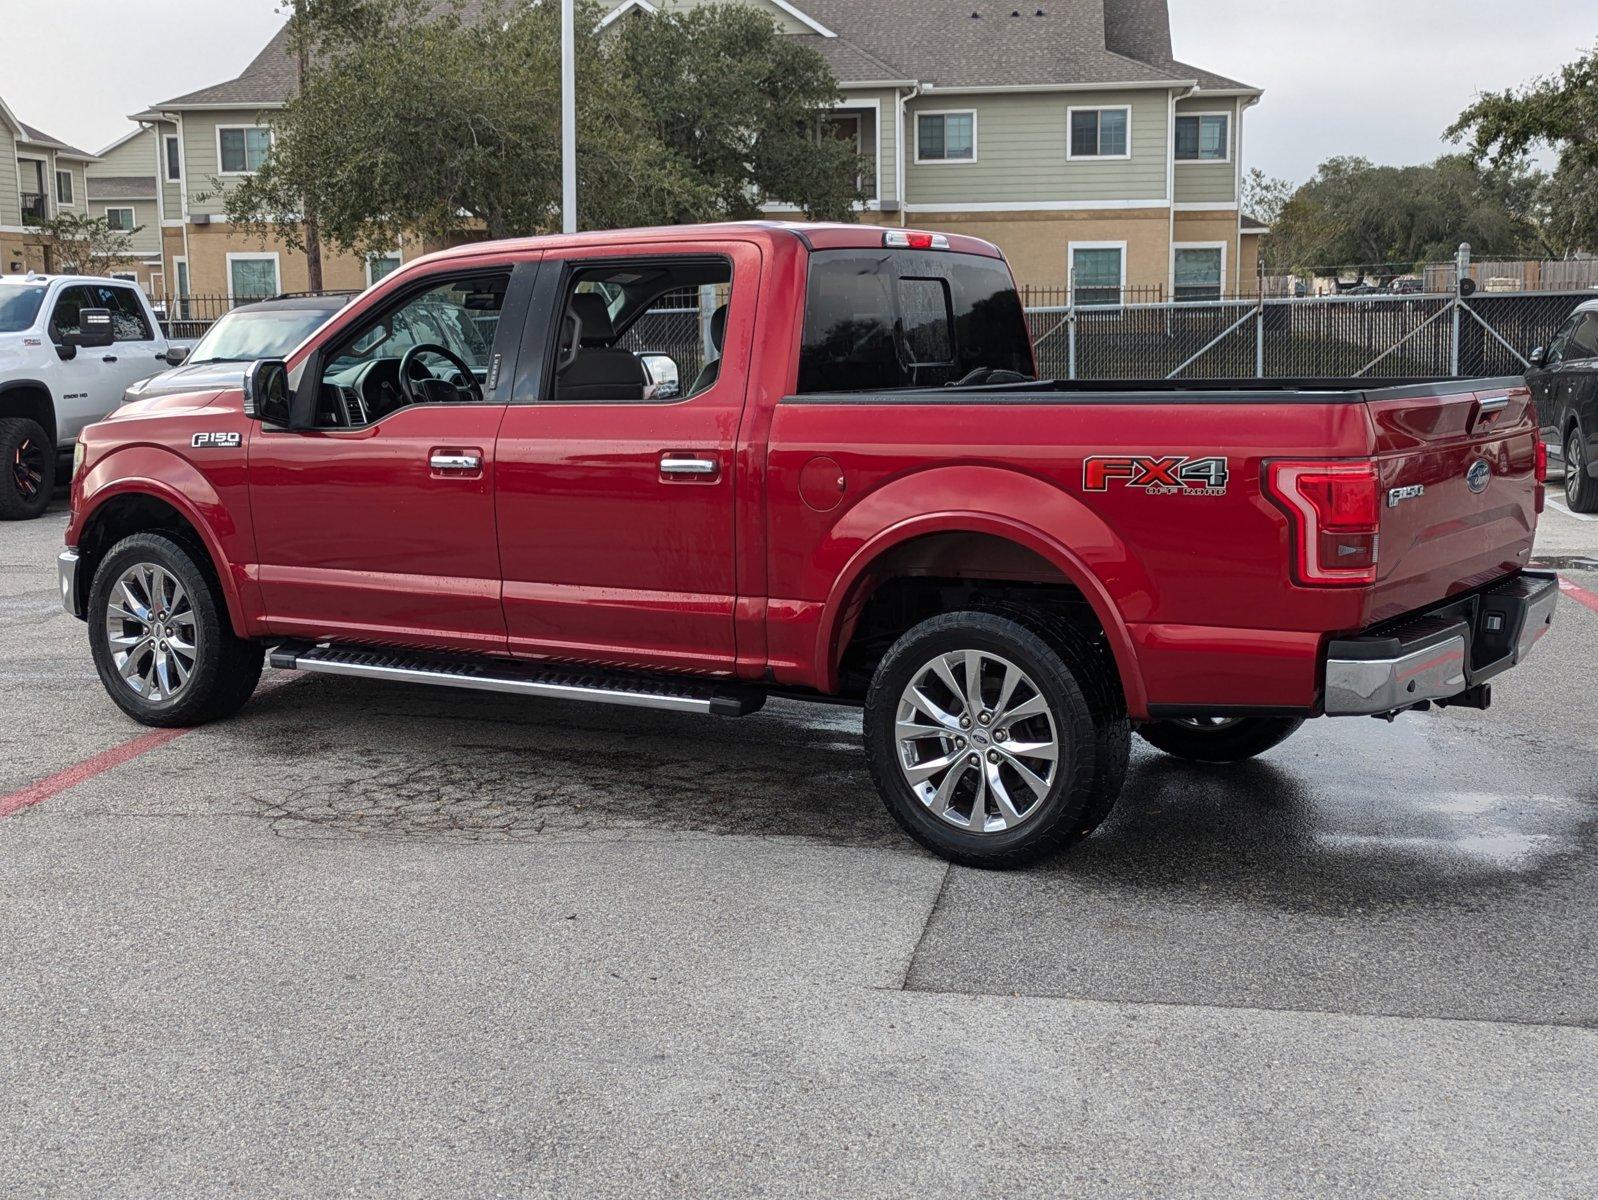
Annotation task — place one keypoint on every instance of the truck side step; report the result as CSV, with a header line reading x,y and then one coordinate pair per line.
x,y
596,686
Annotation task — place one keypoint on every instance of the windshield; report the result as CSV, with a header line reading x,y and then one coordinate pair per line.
x,y
19,306
247,336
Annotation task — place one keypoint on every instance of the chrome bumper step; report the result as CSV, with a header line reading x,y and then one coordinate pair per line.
x,y
522,679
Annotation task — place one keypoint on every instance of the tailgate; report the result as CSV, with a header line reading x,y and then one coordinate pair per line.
x,y
1457,489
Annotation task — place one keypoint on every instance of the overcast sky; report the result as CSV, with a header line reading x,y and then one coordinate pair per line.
x,y
1380,78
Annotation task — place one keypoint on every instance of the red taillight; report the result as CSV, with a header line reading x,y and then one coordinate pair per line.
x,y
1542,461
911,239
1335,517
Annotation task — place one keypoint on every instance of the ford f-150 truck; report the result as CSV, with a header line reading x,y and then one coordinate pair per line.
x,y
854,490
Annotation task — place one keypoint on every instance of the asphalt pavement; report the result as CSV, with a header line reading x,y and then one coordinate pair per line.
x,y
373,940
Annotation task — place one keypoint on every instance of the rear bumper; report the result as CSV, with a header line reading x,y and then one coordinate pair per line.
x,y
1442,653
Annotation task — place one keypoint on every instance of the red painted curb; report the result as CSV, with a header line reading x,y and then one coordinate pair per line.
x,y
1580,594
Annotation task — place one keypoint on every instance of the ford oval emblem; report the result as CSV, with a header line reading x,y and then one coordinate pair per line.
x,y
1479,475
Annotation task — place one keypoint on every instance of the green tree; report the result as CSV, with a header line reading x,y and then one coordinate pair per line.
x,y
435,119
1353,214
1559,112
85,245
737,105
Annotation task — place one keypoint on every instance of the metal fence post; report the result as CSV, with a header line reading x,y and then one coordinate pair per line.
x,y
1070,334
1461,273
1259,337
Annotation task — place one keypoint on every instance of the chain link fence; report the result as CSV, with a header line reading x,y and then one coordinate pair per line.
x,y
1343,337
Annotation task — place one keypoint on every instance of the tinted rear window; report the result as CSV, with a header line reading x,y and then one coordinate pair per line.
x,y
878,319
19,306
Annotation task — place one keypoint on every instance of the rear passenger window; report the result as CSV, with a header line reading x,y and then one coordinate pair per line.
x,y
877,320
1584,340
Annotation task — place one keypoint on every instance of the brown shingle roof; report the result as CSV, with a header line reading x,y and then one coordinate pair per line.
x,y
945,43
40,138
122,187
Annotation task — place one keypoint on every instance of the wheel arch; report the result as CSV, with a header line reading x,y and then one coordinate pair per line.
x,y
29,398
141,505
873,565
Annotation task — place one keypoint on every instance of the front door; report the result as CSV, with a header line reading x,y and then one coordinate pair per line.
x,y
616,485
377,525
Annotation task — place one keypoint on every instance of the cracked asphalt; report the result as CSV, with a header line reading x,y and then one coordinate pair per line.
x,y
389,941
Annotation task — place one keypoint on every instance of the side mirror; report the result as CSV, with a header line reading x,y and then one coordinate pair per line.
x,y
266,391
176,356
93,331
665,376
1539,357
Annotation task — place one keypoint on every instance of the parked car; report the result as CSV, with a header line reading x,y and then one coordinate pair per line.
x,y
1564,386
69,345
248,333
865,497
1406,287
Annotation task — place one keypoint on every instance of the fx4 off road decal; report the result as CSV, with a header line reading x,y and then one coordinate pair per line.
x,y
1157,475
216,441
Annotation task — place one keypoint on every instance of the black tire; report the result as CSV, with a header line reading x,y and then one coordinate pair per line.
x,y
29,458
1084,723
225,668
1581,489
1238,739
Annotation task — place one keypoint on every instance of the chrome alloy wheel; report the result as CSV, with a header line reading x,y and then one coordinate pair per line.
x,y
977,741
1575,465
151,632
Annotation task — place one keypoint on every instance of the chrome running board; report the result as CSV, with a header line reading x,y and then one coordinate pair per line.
x,y
522,679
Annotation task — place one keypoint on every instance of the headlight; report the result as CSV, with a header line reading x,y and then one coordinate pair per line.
x,y
78,452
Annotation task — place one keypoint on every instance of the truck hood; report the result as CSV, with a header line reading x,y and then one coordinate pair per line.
x,y
165,405
191,377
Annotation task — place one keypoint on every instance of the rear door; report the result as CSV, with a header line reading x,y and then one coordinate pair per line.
x,y
615,502
1577,373
1457,488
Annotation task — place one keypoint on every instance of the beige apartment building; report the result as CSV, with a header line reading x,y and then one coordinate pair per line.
x,y
40,177
1065,131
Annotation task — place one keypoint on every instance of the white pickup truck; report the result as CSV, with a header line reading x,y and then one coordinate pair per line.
x,y
69,347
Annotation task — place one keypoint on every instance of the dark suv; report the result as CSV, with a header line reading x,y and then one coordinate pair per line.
x,y
1564,386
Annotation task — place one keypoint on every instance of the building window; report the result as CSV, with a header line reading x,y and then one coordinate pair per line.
x,y
381,266
252,276
173,158
63,187
242,149
1098,272
1200,272
946,137
1203,137
119,219
1100,133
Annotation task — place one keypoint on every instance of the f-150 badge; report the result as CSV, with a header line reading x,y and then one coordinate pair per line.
x,y
216,441
1157,475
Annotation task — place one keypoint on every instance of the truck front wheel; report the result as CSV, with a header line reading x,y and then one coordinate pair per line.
x,y
992,742
1219,739
29,458
159,631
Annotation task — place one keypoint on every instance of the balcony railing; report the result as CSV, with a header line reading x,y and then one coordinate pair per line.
x,y
34,208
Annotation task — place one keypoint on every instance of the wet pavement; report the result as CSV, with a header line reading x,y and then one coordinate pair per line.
x,y
388,940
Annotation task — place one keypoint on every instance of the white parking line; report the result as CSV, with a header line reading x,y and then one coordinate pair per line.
x,y
1555,504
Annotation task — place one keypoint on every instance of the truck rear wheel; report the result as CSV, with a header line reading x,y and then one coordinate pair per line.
x,y
159,632
992,742
1219,739
29,458
1581,489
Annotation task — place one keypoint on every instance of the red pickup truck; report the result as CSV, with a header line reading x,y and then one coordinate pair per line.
x,y
846,485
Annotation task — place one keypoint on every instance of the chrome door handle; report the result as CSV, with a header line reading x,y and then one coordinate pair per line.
x,y
456,462
689,466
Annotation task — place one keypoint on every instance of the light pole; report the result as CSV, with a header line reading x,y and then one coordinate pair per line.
x,y
568,117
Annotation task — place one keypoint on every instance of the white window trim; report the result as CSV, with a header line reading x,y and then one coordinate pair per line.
x,y
1072,109
133,215
803,18
947,112
166,160
244,256
72,187
1221,246
180,260
1203,162
1070,263
850,107
239,174
398,252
